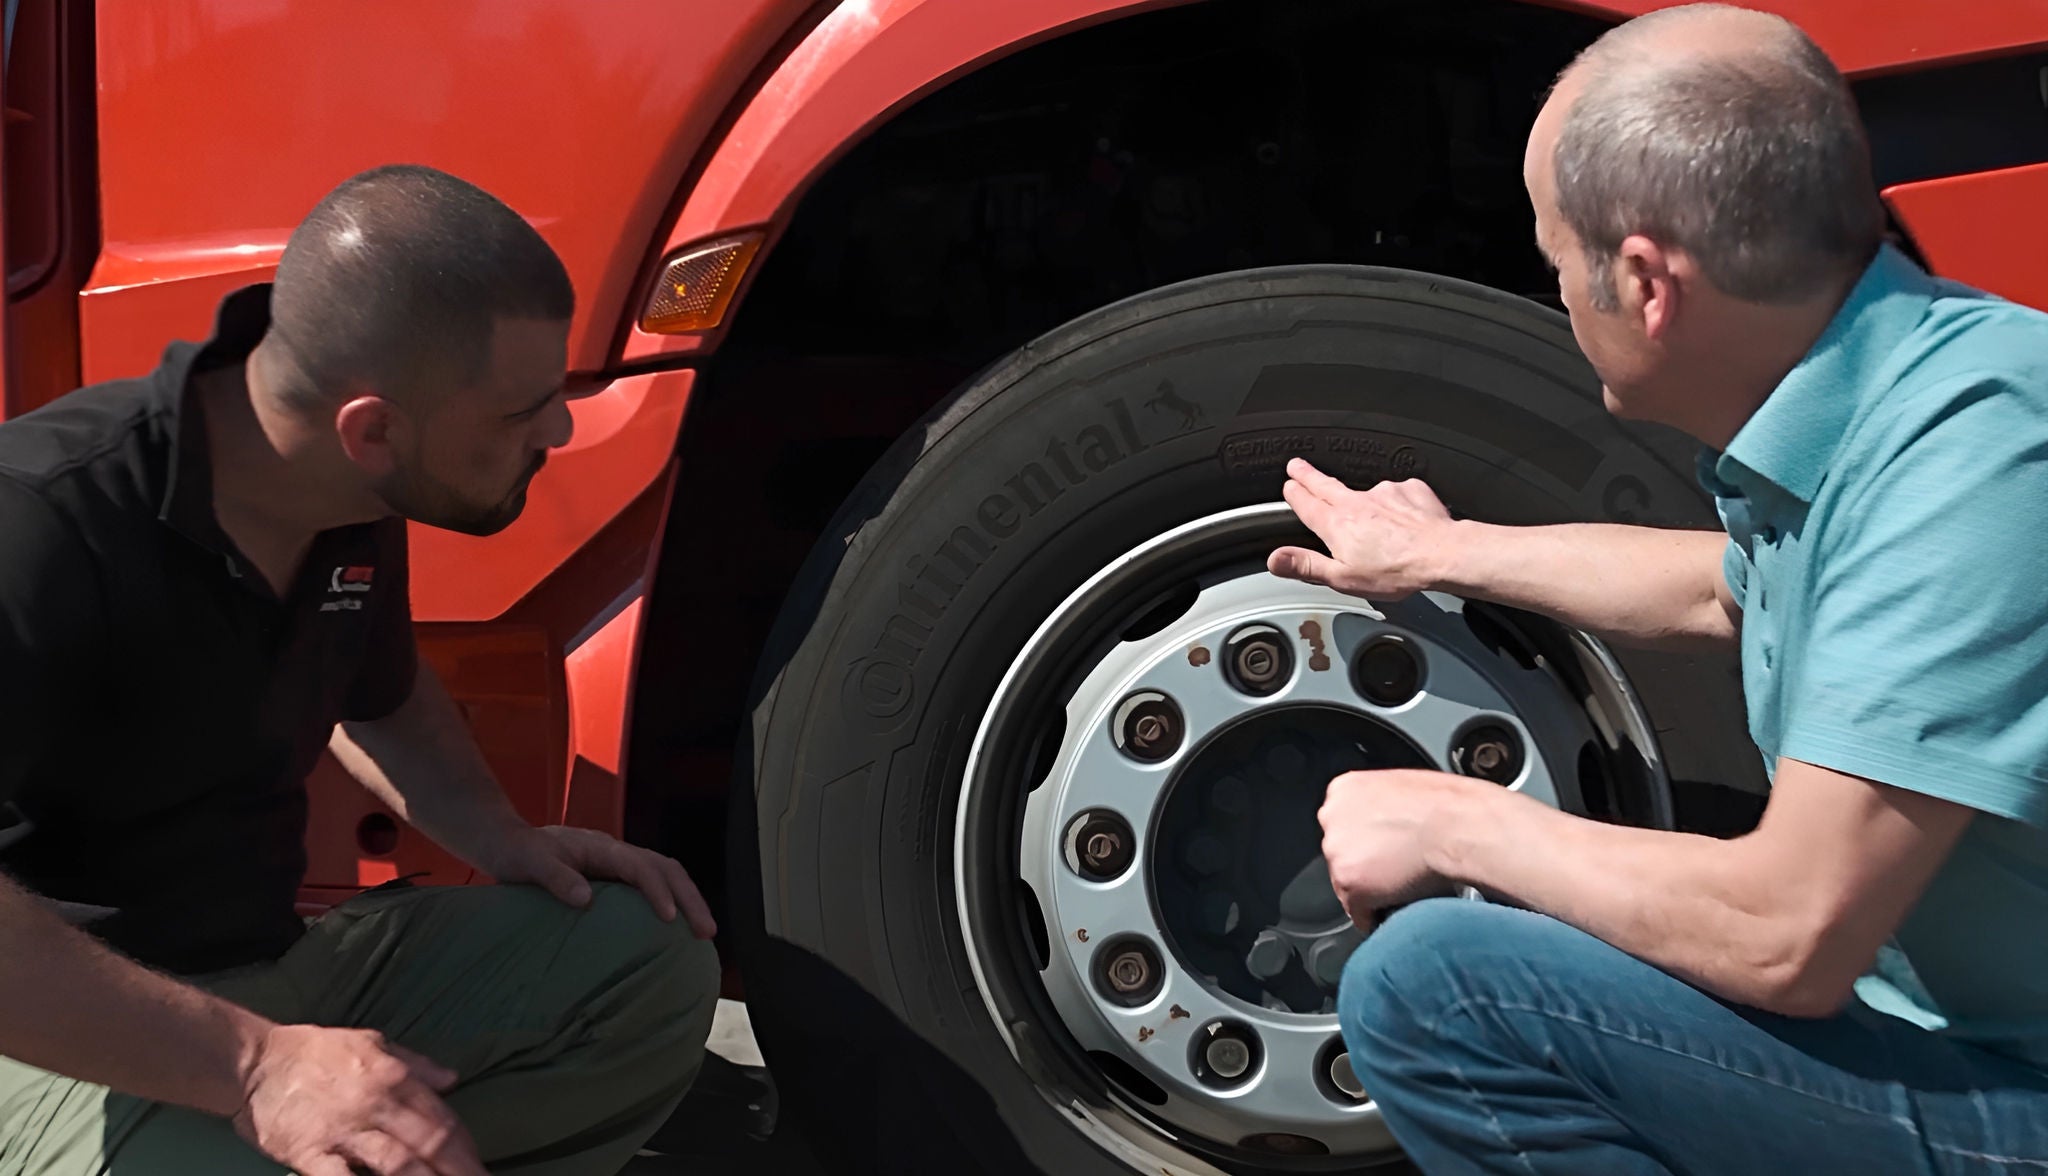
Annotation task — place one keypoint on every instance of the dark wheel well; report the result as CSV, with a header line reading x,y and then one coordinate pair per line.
x,y
1168,145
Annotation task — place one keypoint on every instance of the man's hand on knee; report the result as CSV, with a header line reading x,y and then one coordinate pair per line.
x,y
562,859
320,1099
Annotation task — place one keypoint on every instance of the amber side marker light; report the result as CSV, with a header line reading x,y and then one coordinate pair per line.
x,y
697,285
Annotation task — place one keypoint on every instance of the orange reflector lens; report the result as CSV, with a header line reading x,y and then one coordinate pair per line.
x,y
695,287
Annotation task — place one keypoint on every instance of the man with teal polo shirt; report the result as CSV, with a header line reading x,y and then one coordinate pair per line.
x,y
1860,984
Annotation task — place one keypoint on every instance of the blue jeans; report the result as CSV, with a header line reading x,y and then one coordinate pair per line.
x,y
1497,1040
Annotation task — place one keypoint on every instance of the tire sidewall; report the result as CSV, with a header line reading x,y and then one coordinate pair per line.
x,y
1076,449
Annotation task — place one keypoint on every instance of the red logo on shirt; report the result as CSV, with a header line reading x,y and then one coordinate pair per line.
x,y
351,579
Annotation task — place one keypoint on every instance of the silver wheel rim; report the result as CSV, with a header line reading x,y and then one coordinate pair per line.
x,y
1283,1089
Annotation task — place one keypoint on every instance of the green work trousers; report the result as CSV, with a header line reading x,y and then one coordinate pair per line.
x,y
574,1033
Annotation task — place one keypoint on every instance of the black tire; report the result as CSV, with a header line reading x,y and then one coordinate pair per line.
x,y
1158,410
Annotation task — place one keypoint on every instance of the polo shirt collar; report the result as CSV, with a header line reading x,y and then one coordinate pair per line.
x,y
1793,436
187,502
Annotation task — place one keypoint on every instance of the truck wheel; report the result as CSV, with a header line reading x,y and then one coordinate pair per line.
x,y
1031,881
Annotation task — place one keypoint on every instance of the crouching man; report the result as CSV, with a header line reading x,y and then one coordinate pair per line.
x,y
1861,984
204,586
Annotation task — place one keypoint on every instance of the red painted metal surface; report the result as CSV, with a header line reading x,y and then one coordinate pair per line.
x,y
865,61
1984,229
860,64
509,683
50,222
222,123
600,677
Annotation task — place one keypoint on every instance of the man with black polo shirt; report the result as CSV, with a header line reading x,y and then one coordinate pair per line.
x,y
204,585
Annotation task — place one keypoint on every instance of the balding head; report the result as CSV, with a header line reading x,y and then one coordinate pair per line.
x,y
1719,131
396,281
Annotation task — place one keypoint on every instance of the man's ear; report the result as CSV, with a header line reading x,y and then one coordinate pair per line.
x,y
1649,286
368,428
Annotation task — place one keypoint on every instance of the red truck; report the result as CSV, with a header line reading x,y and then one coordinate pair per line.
x,y
903,577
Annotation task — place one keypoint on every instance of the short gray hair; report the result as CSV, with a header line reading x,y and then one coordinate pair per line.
x,y
1756,164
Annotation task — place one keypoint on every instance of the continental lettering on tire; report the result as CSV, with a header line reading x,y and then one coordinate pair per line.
x,y
880,685
1354,455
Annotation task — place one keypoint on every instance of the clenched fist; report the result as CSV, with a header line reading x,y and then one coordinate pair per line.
x,y
1377,831
319,1100
1385,543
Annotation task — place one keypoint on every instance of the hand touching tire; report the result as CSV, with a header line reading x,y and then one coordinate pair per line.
x,y
1386,543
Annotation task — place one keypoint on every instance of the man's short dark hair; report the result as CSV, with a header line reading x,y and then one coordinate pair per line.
x,y
398,277
1755,163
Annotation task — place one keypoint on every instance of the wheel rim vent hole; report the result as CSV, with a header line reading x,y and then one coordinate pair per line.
x,y
1129,1077
1165,609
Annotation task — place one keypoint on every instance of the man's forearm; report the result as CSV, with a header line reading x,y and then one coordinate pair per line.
x,y
422,761
1631,585
1685,903
71,1006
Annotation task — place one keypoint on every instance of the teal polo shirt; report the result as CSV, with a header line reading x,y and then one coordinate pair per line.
x,y
1887,515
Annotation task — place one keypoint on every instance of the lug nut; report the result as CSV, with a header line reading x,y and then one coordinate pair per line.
x,y
1387,671
1128,971
1268,955
1100,845
1228,1057
1257,660
1205,854
1327,958
1223,1053
1219,913
1285,760
1229,796
1258,663
1343,1078
1489,752
1148,726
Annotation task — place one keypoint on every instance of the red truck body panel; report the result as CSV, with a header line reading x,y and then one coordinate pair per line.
x,y
625,130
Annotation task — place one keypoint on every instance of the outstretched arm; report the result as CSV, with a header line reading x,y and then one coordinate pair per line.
x,y
1631,585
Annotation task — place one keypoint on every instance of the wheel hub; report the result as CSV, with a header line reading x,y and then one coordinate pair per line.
x,y
1169,845
1217,763
1246,904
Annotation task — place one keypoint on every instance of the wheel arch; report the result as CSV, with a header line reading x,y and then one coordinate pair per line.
x,y
861,75
865,61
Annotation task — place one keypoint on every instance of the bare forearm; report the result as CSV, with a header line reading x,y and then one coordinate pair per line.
x,y
423,762
1685,903
1631,585
71,1006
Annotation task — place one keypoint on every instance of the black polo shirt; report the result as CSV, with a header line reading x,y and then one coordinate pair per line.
x,y
160,706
